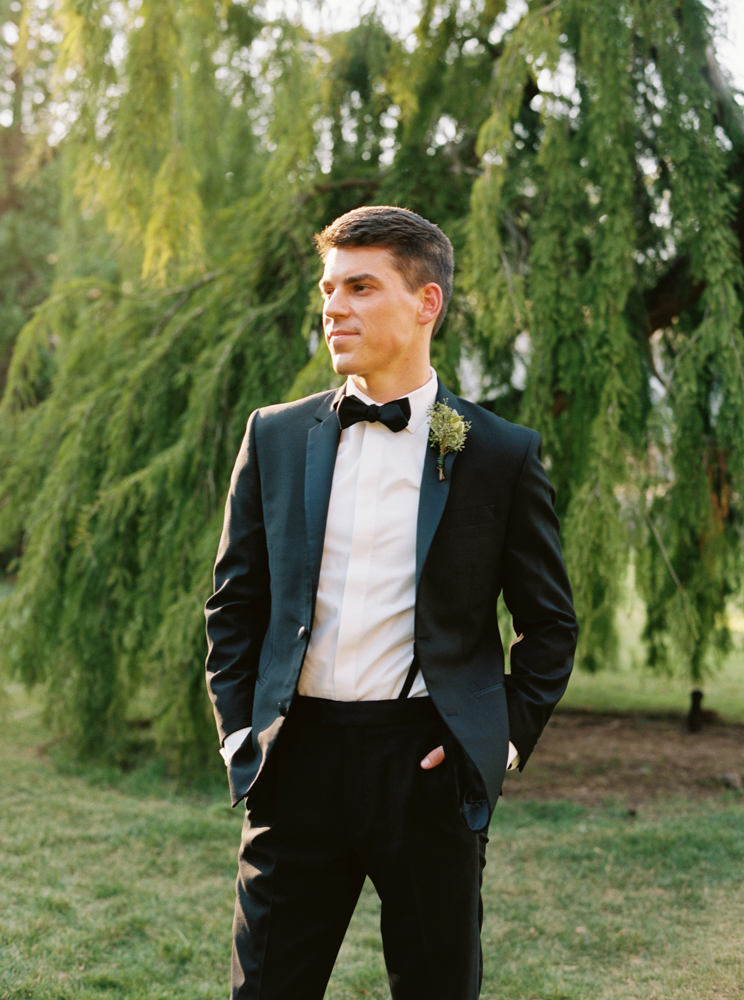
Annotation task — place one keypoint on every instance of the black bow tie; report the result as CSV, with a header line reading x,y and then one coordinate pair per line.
x,y
394,415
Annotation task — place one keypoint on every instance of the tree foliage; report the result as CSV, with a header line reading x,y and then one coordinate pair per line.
x,y
29,205
585,158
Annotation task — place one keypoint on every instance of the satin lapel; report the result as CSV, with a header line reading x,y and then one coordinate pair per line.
x,y
320,458
434,493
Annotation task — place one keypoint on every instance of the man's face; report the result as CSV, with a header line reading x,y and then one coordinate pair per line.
x,y
374,326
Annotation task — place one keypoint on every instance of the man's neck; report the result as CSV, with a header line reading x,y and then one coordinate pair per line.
x,y
383,390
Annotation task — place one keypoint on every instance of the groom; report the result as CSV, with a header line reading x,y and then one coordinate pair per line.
x,y
355,664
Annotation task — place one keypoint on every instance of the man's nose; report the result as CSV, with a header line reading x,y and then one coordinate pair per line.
x,y
335,305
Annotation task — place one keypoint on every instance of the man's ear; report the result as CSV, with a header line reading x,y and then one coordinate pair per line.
x,y
431,299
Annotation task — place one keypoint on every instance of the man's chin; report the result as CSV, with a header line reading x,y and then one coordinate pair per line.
x,y
344,365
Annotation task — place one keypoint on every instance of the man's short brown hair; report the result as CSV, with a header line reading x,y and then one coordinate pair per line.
x,y
420,250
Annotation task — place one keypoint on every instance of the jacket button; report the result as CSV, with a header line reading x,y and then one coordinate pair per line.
x,y
303,631
282,708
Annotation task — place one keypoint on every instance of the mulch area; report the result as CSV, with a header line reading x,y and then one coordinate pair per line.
x,y
592,758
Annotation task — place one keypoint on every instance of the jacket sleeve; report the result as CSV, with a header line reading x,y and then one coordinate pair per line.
x,y
538,595
238,611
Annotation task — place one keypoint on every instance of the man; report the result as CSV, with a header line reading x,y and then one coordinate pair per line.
x,y
355,663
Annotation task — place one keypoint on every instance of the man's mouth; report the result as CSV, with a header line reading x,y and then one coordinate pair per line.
x,y
340,334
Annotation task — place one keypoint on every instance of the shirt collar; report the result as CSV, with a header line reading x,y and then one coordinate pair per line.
x,y
420,399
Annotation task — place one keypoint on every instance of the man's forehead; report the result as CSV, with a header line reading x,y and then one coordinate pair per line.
x,y
342,262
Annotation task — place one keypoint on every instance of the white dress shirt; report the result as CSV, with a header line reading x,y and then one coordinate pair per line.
x,y
361,642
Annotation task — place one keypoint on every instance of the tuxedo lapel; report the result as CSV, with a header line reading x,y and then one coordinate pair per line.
x,y
322,444
434,493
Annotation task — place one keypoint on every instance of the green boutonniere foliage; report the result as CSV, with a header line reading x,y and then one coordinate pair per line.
x,y
447,431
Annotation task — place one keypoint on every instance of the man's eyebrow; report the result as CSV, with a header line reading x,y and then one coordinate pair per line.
x,y
353,279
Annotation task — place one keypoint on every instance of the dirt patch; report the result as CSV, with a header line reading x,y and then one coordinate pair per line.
x,y
591,758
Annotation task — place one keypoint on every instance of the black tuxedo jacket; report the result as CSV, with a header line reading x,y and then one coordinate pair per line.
x,y
488,528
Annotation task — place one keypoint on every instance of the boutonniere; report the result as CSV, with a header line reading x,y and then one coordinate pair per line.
x,y
447,431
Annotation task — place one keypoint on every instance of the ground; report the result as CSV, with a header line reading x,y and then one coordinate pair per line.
x,y
119,886
631,758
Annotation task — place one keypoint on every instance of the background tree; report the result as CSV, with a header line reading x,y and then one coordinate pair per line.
x,y
29,196
584,157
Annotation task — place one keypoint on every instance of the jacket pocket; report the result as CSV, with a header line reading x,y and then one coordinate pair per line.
x,y
487,690
465,517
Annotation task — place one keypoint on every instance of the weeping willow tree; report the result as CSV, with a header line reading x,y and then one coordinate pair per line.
x,y
585,158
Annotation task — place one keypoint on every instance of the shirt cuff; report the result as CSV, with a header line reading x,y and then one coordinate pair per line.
x,y
231,743
512,761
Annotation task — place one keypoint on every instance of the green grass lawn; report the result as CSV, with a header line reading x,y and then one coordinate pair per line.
x,y
108,892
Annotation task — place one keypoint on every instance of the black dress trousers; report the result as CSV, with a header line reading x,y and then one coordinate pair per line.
x,y
344,796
